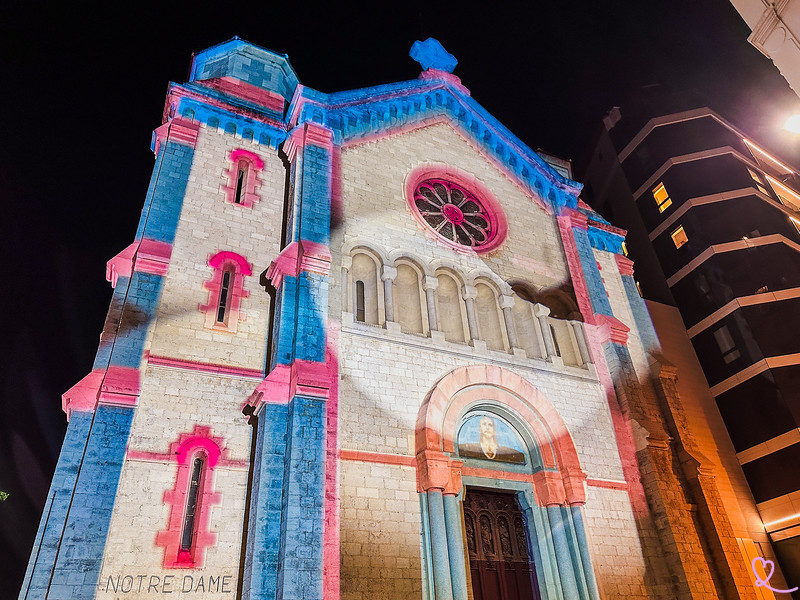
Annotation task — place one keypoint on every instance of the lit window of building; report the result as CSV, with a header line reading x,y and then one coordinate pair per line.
x,y
756,177
663,201
679,237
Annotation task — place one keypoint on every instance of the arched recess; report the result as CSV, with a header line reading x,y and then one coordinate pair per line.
x,y
363,281
549,486
450,307
409,297
490,317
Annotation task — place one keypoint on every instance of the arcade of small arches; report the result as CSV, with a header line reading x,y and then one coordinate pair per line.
x,y
402,293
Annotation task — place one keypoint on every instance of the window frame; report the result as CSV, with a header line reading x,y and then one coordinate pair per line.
x,y
666,202
244,193
238,268
675,232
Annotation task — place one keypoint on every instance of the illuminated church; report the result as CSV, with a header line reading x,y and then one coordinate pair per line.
x,y
369,345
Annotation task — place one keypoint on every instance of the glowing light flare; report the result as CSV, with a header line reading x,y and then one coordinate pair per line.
x,y
767,157
792,124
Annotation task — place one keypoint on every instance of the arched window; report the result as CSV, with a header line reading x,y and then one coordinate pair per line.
x,y
407,300
489,317
225,291
188,532
192,509
563,308
364,277
360,310
243,178
241,181
527,326
449,309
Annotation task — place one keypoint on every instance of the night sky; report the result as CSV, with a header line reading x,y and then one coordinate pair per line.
x,y
83,88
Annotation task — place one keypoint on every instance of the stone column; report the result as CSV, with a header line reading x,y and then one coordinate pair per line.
x,y
541,312
507,303
583,549
470,293
566,566
430,285
580,337
442,578
455,536
388,276
434,473
347,303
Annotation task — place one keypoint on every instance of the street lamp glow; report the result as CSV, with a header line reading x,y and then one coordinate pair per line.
x,y
793,124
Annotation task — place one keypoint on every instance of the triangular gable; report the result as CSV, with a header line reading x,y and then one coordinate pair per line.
x,y
383,110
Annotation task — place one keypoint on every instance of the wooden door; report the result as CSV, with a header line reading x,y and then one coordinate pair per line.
x,y
497,542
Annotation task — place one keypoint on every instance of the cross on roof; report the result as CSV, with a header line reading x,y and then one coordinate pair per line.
x,y
430,54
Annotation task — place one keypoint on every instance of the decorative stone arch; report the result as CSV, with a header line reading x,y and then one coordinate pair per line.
x,y
357,244
502,288
381,261
495,323
423,266
411,308
561,304
247,166
460,389
551,493
444,325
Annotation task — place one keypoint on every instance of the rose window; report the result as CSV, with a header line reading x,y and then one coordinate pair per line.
x,y
454,213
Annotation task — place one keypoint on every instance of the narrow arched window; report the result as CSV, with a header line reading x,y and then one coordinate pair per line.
x,y
225,291
360,311
224,295
243,177
364,281
241,181
192,505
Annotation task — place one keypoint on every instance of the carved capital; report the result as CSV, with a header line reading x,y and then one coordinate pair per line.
x,y
430,283
433,470
506,301
454,484
389,273
540,310
573,486
549,488
470,292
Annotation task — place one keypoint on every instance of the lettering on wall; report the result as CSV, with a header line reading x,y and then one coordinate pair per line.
x,y
166,584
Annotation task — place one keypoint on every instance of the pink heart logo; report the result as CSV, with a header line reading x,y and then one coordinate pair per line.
x,y
764,563
764,582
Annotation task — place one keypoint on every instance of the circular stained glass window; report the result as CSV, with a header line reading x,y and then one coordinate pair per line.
x,y
454,213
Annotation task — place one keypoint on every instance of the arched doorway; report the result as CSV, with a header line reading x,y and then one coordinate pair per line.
x,y
486,436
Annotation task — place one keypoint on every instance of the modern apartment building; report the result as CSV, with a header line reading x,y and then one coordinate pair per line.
x,y
712,220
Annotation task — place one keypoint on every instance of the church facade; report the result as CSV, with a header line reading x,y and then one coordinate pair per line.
x,y
365,345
